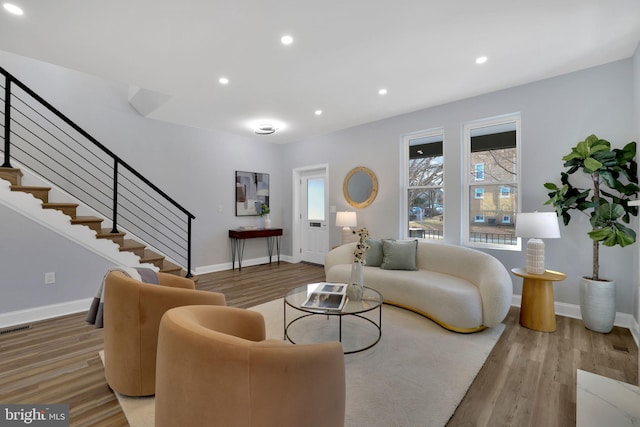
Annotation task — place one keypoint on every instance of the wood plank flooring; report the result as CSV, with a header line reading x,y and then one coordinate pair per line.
x,y
528,380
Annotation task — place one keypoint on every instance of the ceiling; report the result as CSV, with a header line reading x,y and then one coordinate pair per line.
x,y
422,51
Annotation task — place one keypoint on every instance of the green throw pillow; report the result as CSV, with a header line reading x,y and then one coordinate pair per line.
x,y
399,255
373,258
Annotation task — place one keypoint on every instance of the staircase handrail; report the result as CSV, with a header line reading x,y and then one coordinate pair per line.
x,y
11,79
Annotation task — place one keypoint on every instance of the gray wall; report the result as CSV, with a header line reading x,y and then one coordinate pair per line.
x,y
556,114
636,121
196,167
28,251
193,166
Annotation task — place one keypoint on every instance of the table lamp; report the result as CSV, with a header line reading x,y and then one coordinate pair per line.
x,y
346,220
537,226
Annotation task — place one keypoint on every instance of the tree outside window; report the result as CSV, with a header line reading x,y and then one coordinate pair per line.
x,y
425,186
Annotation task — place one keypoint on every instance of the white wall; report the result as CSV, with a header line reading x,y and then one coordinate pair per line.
x,y
556,114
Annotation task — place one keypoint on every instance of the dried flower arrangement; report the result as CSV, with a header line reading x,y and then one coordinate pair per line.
x,y
361,245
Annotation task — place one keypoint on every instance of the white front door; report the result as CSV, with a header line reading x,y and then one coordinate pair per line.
x,y
313,216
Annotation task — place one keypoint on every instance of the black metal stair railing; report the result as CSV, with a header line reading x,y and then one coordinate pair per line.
x,y
44,140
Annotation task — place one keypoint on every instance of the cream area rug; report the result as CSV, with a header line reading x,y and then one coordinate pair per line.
x,y
415,376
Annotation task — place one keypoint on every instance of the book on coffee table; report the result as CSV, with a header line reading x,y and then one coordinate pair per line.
x,y
327,296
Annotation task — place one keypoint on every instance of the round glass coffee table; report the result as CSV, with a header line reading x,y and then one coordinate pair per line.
x,y
371,300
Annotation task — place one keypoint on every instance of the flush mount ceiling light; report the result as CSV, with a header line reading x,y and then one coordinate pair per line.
x,y
223,81
481,60
286,40
266,127
318,112
382,91
12,8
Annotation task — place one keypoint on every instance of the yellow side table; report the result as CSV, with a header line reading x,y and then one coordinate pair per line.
x,y
537,309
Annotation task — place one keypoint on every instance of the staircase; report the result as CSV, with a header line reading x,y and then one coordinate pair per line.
x,y
146,255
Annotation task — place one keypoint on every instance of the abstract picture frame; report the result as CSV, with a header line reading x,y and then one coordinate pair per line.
x,y
252,191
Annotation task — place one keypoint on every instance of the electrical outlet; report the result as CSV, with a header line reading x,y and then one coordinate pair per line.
x,y
49,278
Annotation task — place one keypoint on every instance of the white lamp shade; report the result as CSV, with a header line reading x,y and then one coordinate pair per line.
x,y
346,219
540,225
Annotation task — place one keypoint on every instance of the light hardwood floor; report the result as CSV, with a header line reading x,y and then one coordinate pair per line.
x,y
528,380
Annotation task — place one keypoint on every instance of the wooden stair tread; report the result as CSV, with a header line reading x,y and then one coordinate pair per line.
x,y
86,219
93,222
107,232
130,245
59,205
169,267
13,175
41,193
29,188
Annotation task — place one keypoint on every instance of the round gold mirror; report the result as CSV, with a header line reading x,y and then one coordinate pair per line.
x,y
360,187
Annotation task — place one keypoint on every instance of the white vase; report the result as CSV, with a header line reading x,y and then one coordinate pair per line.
x,y
355,290
598,304
267,221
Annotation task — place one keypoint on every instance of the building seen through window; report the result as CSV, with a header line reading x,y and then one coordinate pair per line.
x,y
493,185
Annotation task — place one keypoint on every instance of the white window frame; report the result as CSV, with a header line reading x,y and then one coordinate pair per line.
x,y
508,192
478,218
506,219
404,167
478,193
476,169
469,178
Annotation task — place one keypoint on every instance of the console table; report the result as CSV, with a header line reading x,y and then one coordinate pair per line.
x,y
239,236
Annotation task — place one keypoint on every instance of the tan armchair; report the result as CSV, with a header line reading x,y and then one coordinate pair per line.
x,y
215,368
132,313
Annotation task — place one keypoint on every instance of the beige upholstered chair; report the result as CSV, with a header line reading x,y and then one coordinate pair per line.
x,y
215,368
132,313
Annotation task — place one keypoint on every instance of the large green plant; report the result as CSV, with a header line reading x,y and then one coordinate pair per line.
x,y
614,181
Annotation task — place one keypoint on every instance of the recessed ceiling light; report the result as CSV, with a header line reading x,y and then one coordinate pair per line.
x,y
286,39
12,8
223,80
382,91
318,112
481,60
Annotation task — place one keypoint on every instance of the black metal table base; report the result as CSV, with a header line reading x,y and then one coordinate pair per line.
x,y
340,316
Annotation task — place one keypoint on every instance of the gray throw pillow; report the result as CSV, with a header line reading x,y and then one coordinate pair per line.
x,y
373,258
399,255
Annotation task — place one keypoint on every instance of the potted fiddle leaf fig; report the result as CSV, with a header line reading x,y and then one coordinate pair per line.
x,y
612,175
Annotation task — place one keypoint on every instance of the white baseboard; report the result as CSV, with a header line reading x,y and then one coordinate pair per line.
x,y
21,317
623,320
30,315
245,263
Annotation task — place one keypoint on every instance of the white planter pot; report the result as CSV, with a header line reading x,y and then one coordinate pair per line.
x,y
598,304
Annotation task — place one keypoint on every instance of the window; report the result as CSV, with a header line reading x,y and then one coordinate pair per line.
x,y
493,163
424,183
315,199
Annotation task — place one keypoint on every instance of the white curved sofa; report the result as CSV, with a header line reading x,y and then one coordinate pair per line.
x,y
462,289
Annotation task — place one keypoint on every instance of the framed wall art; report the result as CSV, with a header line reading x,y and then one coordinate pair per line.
x,y
252,190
